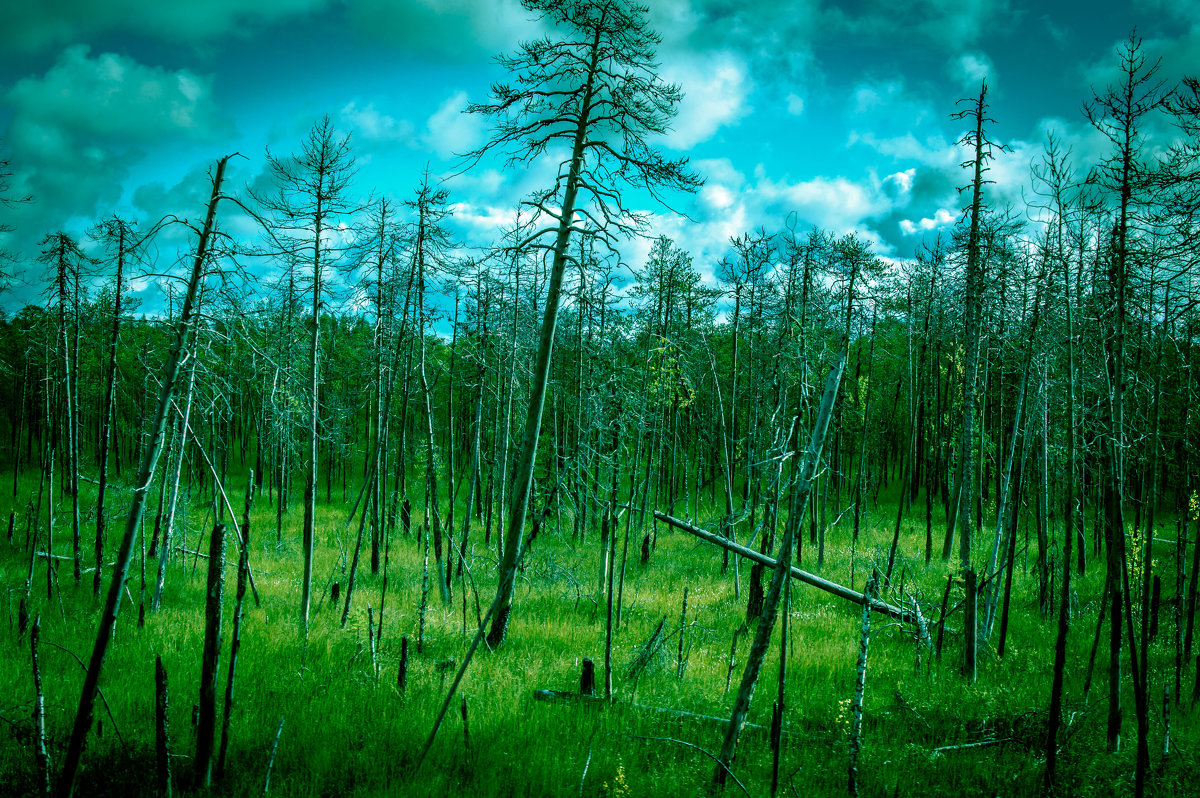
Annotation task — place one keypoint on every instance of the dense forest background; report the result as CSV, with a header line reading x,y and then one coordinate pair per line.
x,y
1018,395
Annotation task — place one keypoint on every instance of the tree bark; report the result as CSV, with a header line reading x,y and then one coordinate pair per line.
x,y
108,620
802,484
522,480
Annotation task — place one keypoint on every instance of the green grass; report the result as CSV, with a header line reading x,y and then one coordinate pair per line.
x,y
347,732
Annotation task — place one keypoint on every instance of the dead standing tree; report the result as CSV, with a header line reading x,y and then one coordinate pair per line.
x,y
309,198
1119,113
430,244
63,259
108,620
594,87
981,148
117,235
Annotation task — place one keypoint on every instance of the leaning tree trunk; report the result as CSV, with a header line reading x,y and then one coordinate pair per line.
x,y
803,475
522,480
108,620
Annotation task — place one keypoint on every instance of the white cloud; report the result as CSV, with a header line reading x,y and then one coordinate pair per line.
x,y
113,95
795,104
376,126
450,132
716,197
720,170
969,69
942,218
836,203
900,183
935,150
715,90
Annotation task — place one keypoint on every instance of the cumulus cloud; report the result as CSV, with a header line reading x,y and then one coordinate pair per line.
x,y
77,129
795,104
450,132
716,88
835,203
731,204
112,95
942,218
969,69
899,185
373,125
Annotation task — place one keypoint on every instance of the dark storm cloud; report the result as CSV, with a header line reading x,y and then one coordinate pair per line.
x,y
77,130
34,26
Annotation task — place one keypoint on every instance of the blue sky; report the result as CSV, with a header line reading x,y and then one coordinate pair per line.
x,y
837,111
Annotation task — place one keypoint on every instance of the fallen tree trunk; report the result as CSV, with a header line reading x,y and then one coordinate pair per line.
x,y
803,576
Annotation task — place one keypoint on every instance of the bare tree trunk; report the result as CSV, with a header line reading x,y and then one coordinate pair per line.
x,y
162,730
108,620
108,407
522,480
39,711
311,465
960,506
802,484
209,669
180,438
235,643
860,684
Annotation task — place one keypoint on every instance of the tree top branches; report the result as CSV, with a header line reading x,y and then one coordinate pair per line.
x,y
592,87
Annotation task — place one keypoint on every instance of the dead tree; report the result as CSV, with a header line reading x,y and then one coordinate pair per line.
x,y
594,88
108,620
310,196
802,476
209,671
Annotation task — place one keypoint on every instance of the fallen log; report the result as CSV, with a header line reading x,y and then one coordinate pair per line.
x,y
804,576
969,746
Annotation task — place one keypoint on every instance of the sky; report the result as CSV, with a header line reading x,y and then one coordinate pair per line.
x,y
835,114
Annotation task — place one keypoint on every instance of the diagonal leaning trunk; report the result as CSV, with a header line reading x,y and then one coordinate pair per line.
x,y
112,605
522,479
802,475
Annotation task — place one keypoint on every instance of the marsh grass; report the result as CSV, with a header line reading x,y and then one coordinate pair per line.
x,y
348,732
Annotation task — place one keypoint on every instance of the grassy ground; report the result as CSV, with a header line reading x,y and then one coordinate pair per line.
x,y
349,732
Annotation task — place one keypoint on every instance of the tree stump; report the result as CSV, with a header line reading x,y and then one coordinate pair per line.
x,y
402,672
587,678
162,729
